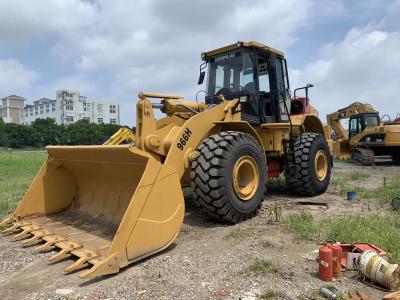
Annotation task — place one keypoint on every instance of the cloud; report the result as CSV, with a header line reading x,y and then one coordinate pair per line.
x,y
14,77
24,22
156,46
364,66
78,82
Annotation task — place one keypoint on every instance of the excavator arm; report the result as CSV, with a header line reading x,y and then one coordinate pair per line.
x,y
123,134
333,119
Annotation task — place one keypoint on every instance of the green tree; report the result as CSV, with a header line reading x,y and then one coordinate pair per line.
x,y
46,131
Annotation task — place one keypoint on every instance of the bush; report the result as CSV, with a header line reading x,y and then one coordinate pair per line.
x,y
45,132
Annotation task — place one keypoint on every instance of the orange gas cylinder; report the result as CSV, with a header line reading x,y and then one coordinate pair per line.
x,y
325,263
336,257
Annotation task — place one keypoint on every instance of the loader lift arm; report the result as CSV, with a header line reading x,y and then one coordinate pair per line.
x,y
355,108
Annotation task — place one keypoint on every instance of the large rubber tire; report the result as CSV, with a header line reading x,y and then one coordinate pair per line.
x,y
300,172
212,179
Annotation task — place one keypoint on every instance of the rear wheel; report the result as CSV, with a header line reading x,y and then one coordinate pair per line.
x,y
309,168
228,176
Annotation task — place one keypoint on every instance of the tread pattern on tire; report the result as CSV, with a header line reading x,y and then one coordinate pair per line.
x,y
298,175
208,173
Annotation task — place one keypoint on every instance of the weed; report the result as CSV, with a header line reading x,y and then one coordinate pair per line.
x,y
384,193
379,229
303,224
262,266
270,294
356,175
274,213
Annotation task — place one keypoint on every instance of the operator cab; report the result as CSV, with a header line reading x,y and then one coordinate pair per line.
x,y
254,73
358,123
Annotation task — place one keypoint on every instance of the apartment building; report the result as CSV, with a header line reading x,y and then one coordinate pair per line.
x,y
69,107
10,108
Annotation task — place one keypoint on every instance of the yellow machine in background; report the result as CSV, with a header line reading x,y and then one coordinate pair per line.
x,y
123,135
111,205
366,137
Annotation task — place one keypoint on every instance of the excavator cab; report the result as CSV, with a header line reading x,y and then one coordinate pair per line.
x,y
359,122
254,74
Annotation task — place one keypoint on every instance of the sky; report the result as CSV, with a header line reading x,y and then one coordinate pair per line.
x,y
111,50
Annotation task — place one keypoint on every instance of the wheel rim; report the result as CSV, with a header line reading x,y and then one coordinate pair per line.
x,y
321,165
245,177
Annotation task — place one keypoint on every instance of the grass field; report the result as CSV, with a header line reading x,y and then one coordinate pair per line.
x,y
17,170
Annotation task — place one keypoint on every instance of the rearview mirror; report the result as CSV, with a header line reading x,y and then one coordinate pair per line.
x,y
201,77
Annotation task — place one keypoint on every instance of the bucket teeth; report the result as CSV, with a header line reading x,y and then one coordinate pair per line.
x,y
6,222
64,253
48,245
16,227
24,233
37,237
81,262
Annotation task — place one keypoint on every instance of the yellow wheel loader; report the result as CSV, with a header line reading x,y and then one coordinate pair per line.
x,y
366,137
109,206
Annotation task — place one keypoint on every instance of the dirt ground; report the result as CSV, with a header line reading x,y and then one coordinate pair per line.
x,y
208,260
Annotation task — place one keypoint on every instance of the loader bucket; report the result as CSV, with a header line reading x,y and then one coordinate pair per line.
x,y
105,206
341,149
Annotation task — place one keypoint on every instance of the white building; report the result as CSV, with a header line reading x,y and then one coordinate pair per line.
x,y
10,108
70,107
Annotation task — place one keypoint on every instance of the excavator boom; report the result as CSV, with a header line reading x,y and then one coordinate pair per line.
x,y
122,135
333,119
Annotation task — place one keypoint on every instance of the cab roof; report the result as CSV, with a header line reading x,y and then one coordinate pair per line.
x,y
239,44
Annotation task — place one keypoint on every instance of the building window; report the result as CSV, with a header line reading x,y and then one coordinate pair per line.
x,y
36,113
86,119
113,121
69,105
47,110
53,109
53,104
69,119
112,109
41,111
100,108
100,120
26,114
31,113
36,108
47,106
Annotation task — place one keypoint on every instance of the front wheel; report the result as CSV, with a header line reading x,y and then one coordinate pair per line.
x,y
228,176
308,170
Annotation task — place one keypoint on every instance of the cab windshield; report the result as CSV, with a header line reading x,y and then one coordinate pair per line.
x,y
231,72
371,121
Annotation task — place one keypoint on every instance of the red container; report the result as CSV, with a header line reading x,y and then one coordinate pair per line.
x,y
336,257
325,263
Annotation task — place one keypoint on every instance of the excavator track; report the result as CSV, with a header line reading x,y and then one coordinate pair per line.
x,y
363,156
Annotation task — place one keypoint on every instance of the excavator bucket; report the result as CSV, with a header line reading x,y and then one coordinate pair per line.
x,y
105,206
341,149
